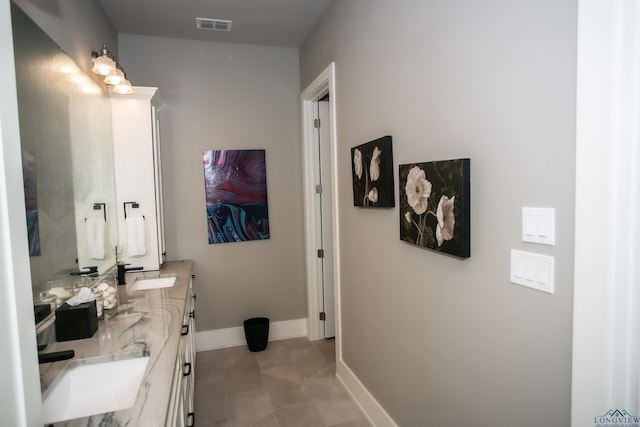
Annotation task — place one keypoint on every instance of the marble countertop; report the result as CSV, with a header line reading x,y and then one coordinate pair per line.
x,y
145,323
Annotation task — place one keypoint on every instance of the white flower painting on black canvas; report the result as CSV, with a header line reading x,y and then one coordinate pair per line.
x,y
372,174
434,206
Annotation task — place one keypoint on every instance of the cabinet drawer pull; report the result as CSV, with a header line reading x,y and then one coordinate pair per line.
x,y
192,314
191,419
186,370
185,330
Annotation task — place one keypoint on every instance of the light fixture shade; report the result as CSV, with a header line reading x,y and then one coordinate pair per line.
x,y
114,77
123,88
103,65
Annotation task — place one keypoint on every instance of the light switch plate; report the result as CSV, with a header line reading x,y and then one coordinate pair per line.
x,y
532,270
539,225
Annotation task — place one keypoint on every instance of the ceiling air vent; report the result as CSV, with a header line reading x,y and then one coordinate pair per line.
x,y
213,24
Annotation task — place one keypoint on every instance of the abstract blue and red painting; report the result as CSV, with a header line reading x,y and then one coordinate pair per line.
x,y
235,184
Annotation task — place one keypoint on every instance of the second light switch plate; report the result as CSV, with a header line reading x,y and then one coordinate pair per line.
x,y
533,270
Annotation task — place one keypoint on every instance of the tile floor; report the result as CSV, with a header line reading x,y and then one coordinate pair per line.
x,y
290,384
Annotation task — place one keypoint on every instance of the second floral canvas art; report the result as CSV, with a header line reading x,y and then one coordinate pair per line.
x,y
434,206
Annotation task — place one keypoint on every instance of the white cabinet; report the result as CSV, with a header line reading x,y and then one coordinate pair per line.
x,y
189,365
181,401
138,179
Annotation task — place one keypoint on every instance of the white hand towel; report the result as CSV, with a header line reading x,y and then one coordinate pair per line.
x,y
136,236
94,231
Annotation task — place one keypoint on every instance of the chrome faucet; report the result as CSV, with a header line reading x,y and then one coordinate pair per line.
x,y
122,269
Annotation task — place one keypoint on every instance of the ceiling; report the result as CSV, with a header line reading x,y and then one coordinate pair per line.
x,y
264,22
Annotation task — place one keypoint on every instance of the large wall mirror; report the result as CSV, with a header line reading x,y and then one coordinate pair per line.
x,y
65,132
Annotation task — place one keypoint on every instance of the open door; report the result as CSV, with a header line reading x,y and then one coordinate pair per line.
x,y
323,190
322,227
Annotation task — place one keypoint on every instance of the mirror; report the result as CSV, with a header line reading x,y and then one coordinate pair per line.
x,y
65,132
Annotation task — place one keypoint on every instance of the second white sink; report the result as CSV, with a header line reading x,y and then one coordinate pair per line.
x,y
94,388
157,283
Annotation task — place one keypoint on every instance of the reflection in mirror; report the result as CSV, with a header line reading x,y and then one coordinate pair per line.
x,y
65,132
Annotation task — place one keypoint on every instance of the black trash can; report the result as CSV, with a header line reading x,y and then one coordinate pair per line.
x,y
256,331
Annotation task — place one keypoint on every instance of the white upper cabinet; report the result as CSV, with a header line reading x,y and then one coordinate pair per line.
x,y
138,178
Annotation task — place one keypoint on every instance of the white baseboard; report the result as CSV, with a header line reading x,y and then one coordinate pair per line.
x,y
375,413
234,337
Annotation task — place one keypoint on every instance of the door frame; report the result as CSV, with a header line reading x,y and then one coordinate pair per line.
x,y
606,331
322,85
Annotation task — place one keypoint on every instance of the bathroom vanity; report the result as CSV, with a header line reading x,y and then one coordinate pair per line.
x,y
155,323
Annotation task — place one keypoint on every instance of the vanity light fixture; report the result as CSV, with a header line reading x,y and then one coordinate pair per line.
x,y
106,65
114,77
103,62
124,87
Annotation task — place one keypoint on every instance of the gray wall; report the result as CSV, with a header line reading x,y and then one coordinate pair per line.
x,y
438,340
226,96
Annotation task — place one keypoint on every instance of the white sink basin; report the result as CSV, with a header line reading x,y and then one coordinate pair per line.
x,y
157,283
96,388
